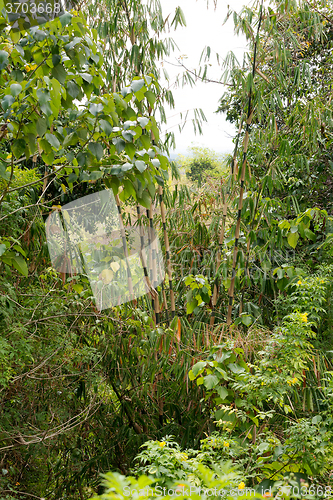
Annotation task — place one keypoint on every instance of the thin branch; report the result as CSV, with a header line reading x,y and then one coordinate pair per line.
x,y
205,80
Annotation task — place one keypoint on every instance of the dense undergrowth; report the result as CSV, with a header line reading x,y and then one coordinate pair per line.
x,y
229,394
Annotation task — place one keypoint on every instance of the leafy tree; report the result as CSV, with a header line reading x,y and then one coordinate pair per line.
x,y
203,162
135,37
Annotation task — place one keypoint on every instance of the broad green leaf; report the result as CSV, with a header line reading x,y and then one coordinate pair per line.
x,y
309,234
56,59
39,35
127,166
96,149
198,367
7,101
73,89
222,392
144,200
246,319
18,147
70,139
72,178
52,139
41,126
146,142
72,43
293,239
140,165
19,249
128,135
48,158
130,150
95,175
151,97
235,368
86,77
143,121
43,96
120,145
3,59
78,288
59,73
15,89
190,306
106,127
2,248
65,19
20,264
210,381
95,108
137,85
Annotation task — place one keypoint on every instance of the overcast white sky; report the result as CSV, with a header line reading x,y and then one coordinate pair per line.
x,y
203,27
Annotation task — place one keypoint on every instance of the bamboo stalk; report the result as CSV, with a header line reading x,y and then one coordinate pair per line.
x,y
224,218
242,179
153,273
167,251
142,254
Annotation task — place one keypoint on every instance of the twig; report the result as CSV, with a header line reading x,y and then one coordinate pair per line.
x,y
206,80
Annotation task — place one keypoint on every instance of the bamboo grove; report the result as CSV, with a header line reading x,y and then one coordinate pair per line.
x,y
222,370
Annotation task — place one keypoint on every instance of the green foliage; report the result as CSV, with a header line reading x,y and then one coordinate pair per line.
x,y
202,163
199,294
171,472
84,392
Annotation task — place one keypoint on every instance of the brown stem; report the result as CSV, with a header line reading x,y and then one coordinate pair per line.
x,y
242,179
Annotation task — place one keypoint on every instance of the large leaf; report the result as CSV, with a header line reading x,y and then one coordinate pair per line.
x,y
146,142
2,248
144,200
143,121
95,108
41,126
73,89
106,127
198,367
43,96
120,145
65,19
3,59
15,89
18,147
130,150
293,239
151,97
7,101
20,264
52,139
140,165
96,149
309,234
137,85
210,381
222,392
59,73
